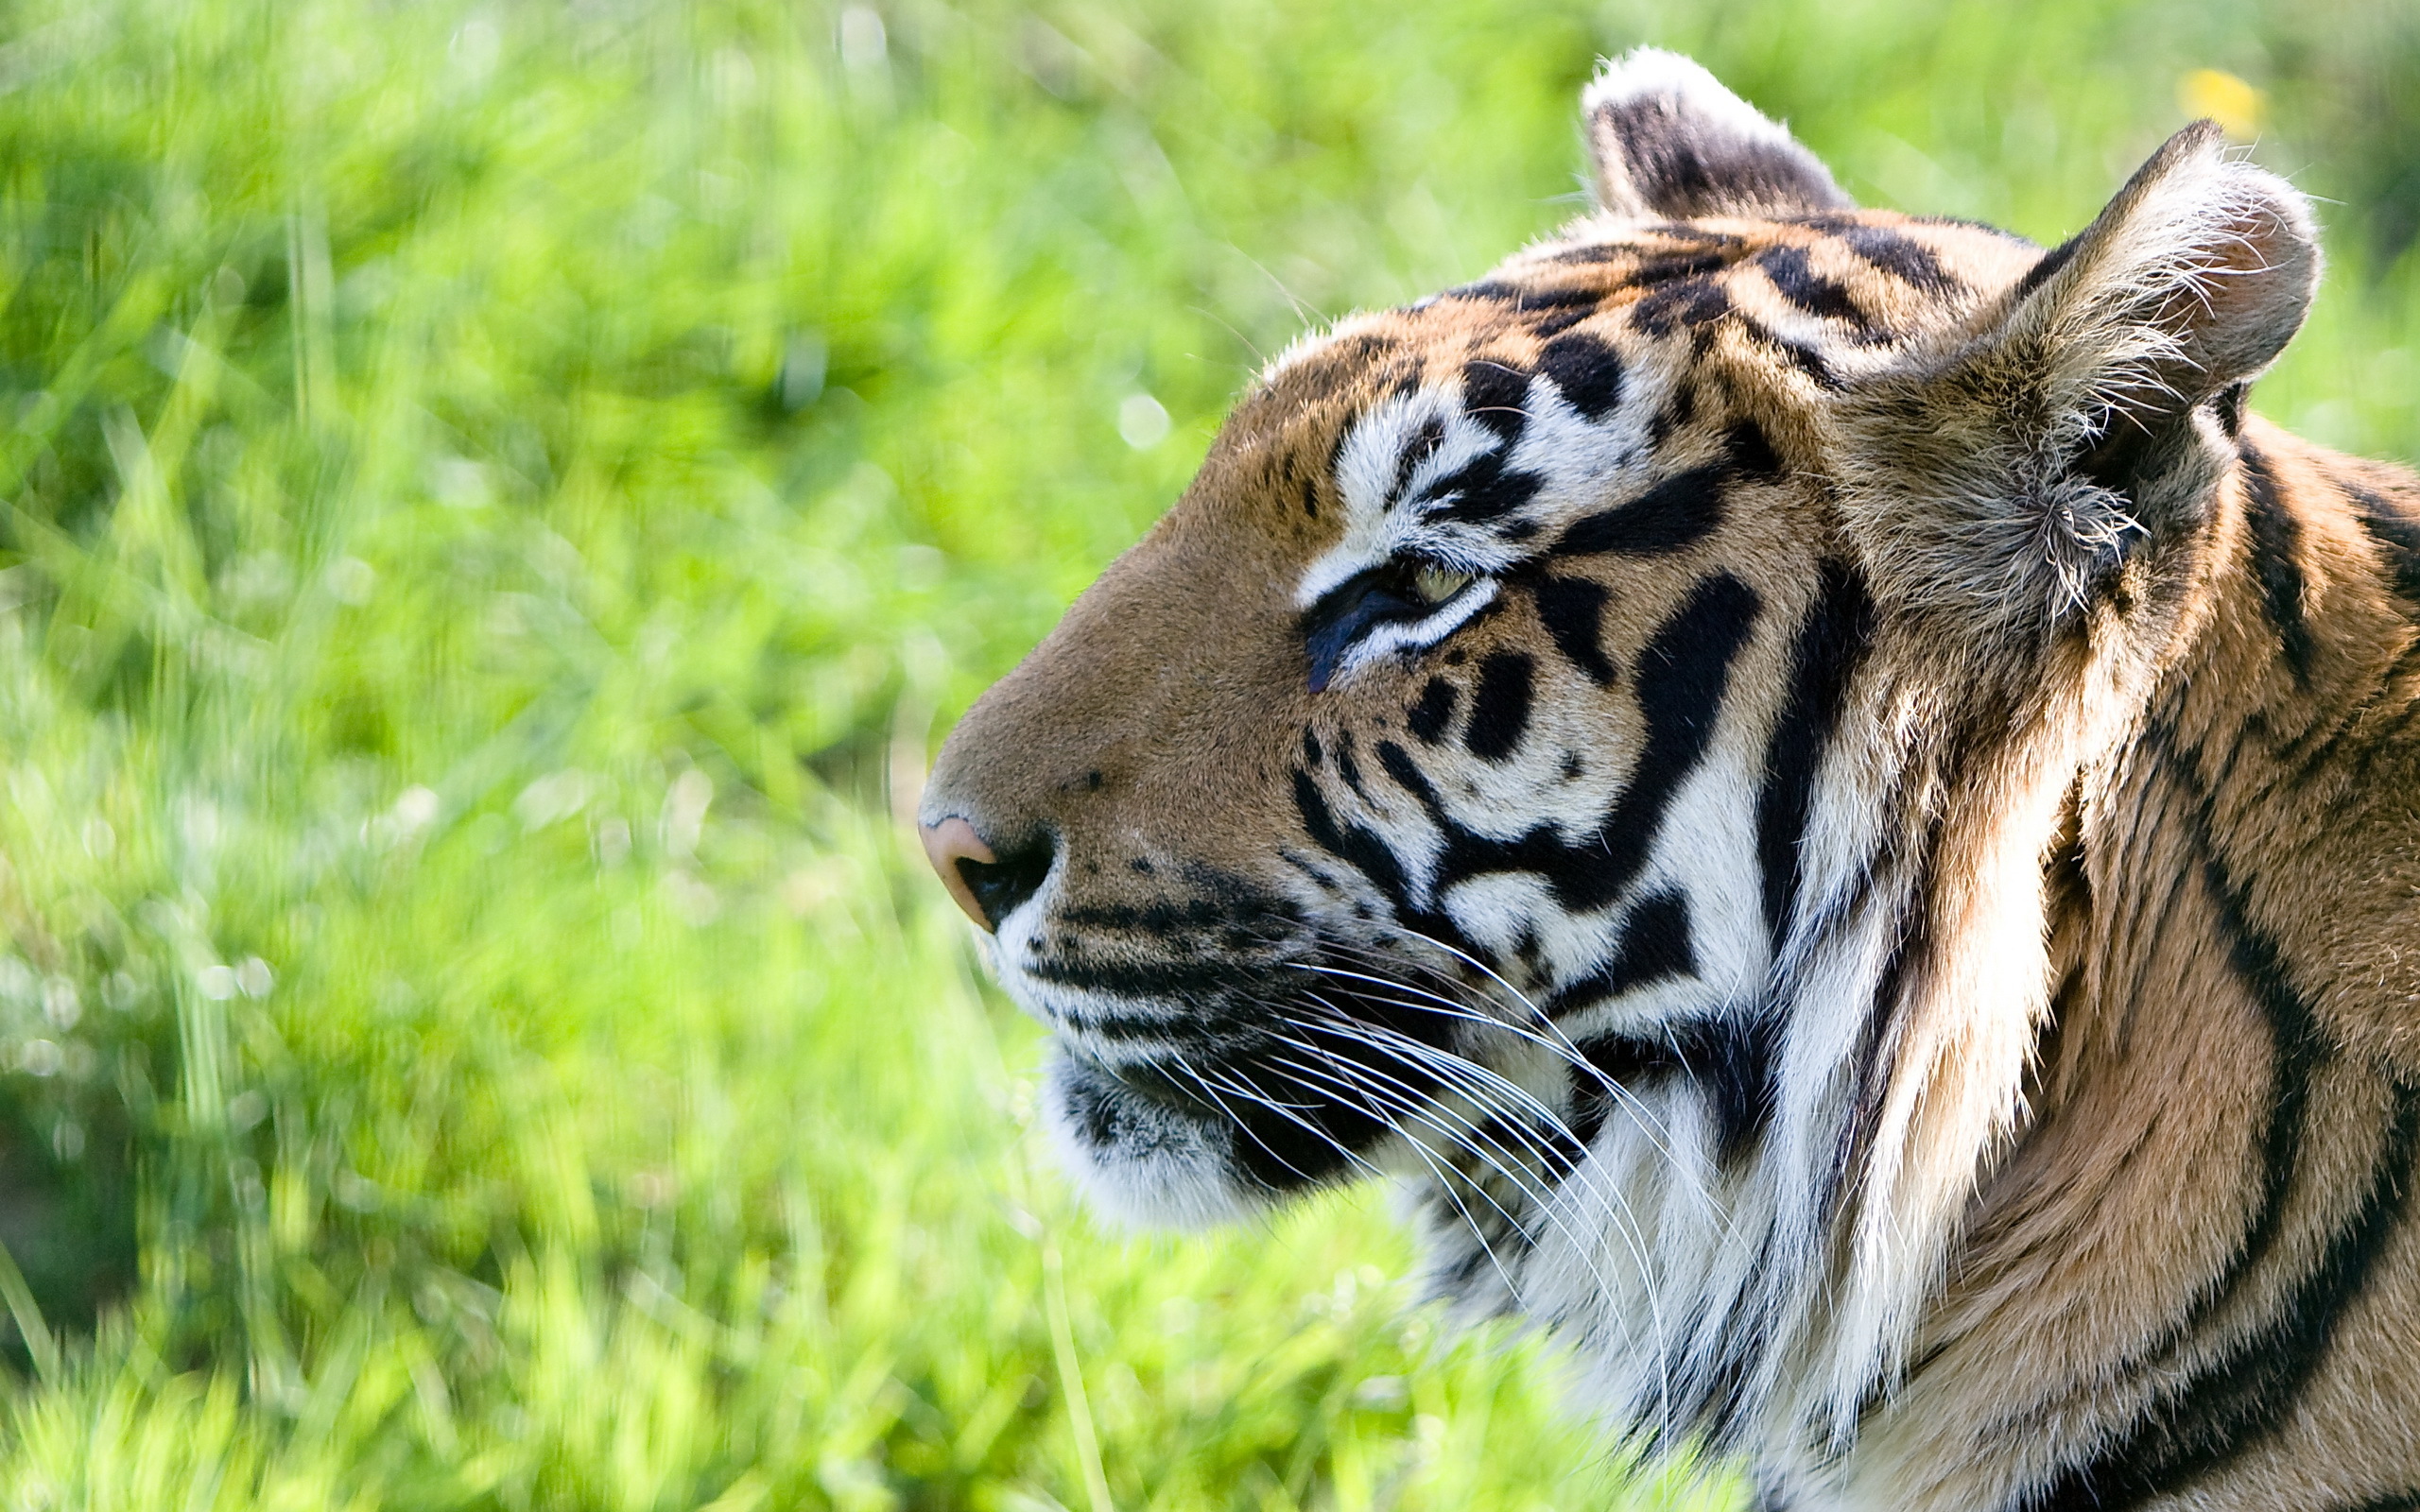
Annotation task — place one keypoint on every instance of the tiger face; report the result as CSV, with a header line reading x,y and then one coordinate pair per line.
x,y
1497,641
1587,743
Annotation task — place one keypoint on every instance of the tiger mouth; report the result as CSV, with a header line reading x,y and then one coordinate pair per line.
x,y
1313,1091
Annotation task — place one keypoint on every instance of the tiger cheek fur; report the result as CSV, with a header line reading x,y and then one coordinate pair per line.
x,y
1813,785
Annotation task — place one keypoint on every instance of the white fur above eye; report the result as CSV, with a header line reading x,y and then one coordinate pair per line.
x,y
1387,503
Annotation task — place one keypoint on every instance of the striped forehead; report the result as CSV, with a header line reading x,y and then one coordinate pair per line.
x,y
1468,466
1517,405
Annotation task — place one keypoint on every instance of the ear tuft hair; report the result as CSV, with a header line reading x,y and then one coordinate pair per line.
x,y
2089,414
1668,142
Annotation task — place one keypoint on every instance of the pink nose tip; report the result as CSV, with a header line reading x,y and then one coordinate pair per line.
x,y
948,843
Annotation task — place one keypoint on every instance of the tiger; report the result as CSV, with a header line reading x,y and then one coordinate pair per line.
x,y
1818,793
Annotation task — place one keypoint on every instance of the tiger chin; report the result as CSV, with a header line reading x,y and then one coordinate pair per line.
x,y
1821,792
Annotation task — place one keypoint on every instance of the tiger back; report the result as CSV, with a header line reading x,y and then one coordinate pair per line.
x,y
1814,784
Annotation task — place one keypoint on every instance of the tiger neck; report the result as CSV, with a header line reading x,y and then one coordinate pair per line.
x,y
2205,1029
2179,901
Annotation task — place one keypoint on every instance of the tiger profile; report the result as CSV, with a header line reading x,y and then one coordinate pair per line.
x,y
1813,784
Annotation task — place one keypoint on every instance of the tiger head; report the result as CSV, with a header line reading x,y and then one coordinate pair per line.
x,y
1587,742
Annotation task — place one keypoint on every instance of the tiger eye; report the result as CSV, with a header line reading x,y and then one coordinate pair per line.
x,y
1437,584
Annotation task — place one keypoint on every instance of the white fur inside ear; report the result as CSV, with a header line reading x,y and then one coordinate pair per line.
x,y
2195,277
1651,73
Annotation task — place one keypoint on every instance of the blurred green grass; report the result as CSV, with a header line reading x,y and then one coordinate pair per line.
x,y
499,500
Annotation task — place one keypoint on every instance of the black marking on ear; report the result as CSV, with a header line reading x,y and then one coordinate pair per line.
x,y
1497,395
1679,158
1500,708
1671,517
2276,561
1794,277
1573,611
1428,717
1689,302
1831,642
1588,372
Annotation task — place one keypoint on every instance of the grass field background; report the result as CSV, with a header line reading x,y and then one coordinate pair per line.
x,y
496,504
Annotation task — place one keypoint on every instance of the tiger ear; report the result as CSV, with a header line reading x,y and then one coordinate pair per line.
x,y
2188,284
2091,410
1668,142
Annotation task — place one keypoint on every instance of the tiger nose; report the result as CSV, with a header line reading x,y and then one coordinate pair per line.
x,y
986,886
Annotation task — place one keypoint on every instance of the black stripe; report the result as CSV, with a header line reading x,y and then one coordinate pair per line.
x,y
1673,516
1830,643
1497,395
2248,1393
1521,298
1500,708
1346,766
2276,559
2397,530
1655,946
1794,277
1481,490
1798,353
1752,451
1902,256
1688,302
1428,717
1735,1061
2239,1398
1681,679
1878,1036
1588,372
1573,611
2392,1502
1355,846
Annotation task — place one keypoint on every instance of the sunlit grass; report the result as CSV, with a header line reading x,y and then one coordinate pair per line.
x,y
495,502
